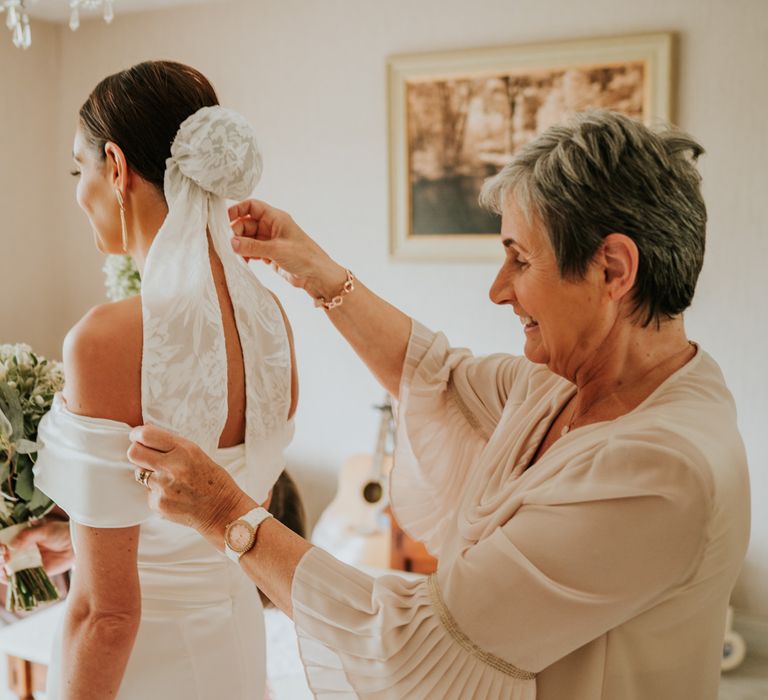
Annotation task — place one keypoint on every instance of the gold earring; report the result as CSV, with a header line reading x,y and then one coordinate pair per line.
x,y
121,204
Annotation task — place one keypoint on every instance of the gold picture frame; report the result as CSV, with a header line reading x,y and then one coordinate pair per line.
x,y
457,117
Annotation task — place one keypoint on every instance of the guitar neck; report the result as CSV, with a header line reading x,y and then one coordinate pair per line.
x,y
385,428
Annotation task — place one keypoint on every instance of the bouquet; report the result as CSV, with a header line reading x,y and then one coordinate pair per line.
x,y
121,278
28,383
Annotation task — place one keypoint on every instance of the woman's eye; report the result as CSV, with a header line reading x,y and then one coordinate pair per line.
x,y
74,173
514,254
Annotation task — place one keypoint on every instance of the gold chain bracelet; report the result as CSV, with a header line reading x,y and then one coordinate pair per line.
x,y
338,300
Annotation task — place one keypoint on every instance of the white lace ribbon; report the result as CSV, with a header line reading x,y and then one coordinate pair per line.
x,y
20,559
184,364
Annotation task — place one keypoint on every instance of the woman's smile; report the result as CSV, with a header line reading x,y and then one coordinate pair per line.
x,y
529,324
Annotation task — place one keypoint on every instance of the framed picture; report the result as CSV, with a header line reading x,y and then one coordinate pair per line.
x,y
456,118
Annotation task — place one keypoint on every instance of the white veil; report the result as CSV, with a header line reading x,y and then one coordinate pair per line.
x,y
184,365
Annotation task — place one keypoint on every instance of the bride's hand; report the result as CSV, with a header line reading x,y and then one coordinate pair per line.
x,y
265,233
185,485
52,538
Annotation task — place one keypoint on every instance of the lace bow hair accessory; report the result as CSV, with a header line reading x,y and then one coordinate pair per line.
x,y
216,149
184,364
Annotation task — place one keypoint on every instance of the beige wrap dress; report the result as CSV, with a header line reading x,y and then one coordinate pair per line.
x,y
602,572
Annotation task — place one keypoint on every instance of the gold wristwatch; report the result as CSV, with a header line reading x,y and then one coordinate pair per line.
x,y
240,534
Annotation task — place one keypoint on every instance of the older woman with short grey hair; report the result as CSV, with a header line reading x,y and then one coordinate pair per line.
x,y
588,502
608,174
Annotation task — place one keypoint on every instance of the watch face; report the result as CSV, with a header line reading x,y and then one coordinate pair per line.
x,y
239,536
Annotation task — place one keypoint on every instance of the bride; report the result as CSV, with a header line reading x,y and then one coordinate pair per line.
x,y
155,611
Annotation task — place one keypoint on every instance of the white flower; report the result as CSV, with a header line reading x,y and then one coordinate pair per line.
x,y
23,354
25,447
6,429
121,277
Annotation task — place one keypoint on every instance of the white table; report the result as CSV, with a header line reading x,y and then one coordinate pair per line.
x,y
27,645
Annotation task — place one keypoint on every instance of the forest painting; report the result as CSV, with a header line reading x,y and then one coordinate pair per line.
x,y
461,131
460,127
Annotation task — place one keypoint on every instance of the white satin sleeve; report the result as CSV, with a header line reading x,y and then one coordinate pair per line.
x,y
83,466
388,637
450,404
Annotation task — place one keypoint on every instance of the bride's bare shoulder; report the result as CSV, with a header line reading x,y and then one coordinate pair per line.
x,y
102,362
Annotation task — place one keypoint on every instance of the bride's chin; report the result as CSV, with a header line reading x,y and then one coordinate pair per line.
x,y
102,246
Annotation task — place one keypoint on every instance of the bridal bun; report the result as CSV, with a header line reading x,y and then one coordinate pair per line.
x,y
141,109
216,148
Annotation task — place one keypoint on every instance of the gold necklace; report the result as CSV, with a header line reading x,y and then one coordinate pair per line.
x,y
569,425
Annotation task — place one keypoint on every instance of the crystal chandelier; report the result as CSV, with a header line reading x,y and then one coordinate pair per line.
x,y
17,20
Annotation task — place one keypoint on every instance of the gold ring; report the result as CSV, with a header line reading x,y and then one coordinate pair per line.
x,y
143,477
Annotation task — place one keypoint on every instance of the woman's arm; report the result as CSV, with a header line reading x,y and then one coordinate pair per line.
x,y
376,330
103,614
101,364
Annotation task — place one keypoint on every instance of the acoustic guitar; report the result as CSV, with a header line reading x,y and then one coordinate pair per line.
x,y
354,527
358,526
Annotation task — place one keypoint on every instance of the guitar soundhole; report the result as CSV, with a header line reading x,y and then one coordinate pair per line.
x,y
373,492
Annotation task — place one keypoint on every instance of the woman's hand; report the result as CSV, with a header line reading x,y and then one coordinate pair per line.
x,y
185,485
265,233
376,330
53,539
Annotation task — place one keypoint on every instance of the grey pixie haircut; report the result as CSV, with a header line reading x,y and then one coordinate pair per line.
x,y
606,173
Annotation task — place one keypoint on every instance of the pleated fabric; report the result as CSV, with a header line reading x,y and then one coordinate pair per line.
x,y
388,640
603,571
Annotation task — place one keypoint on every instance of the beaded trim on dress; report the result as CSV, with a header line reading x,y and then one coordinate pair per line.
x,y
466,643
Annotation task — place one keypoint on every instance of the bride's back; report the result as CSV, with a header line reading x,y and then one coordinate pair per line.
x,y
122,149
103,355
234,428
205,351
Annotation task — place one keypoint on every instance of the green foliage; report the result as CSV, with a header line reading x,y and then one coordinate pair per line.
x,y
12,411
121,278
27,387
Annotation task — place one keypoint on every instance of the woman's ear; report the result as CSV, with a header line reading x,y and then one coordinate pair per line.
x,y
620,261
117,166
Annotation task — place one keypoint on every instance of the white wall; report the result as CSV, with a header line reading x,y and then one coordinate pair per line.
x,y
29,293
311,75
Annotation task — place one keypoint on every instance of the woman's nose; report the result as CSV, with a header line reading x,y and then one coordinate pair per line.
x,y
502,290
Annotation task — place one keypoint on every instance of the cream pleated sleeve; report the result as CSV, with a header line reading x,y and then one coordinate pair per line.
x,y
450,404
389,638
533,564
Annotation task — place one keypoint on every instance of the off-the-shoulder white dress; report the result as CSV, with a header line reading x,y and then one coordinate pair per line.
x,y
603,572
201,634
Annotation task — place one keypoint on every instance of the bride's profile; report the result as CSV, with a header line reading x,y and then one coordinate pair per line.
x,y
155,611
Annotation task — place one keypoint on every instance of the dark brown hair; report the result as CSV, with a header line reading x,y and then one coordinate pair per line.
x,y
141,109
287,507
